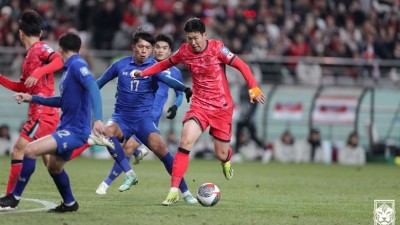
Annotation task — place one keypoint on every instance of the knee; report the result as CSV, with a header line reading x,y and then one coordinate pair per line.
x,y
109,131
186,144
30,151
53,169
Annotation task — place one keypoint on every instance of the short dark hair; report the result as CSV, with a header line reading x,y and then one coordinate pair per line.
x,y
194,25
141,34
30,23
165,38
70,41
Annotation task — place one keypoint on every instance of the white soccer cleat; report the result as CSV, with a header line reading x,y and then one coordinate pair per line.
x,y
143,151
100,140
102,189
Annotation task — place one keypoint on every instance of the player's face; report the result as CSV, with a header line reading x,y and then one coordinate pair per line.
x,y
161,50
197,41
141,51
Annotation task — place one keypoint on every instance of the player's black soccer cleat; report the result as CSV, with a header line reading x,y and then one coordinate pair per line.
x,y
62,208
8,202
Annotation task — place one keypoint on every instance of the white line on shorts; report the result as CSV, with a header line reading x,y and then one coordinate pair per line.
x,y
47,205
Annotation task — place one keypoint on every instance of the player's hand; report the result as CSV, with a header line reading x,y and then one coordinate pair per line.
x,y
22,97
136,74
188,93
172,111
98,127
30,81
256,95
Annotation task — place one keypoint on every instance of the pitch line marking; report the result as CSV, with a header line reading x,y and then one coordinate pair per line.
x,y
47,205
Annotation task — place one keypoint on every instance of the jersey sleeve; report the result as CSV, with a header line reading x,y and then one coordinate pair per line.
x,y
224,54
176,58
45,53
108,75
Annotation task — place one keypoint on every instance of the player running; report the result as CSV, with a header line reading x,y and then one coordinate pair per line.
x,y
212,103
79,93
37,78
135,99
162,50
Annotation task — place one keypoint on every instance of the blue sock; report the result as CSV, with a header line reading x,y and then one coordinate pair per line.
x,y
116,170
119,155
136,153
168,161
62,182
28,167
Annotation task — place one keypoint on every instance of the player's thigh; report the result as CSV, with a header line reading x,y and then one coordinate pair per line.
x,y
114,128
42,146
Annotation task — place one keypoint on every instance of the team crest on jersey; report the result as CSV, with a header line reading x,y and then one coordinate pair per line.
x,y
84,71
226,52
47,48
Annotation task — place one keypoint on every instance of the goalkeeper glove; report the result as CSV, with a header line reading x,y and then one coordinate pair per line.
x,y
188,93
172,111
254,92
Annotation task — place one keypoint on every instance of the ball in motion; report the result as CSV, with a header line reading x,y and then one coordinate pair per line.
x,y
208,194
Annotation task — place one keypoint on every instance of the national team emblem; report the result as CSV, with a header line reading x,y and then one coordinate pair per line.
x,y
384,212
124,73
84,71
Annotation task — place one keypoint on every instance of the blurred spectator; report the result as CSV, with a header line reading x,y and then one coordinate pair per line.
x,y
172,143
312,149
352,153
246,120
285,149
7,140
308,72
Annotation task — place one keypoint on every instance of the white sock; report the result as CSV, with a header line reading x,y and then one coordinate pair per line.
x,y
17,197
186,193
69,204
174,189
130,173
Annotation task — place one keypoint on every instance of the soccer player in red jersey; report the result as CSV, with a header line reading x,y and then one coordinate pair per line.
x,y
37,78
212,103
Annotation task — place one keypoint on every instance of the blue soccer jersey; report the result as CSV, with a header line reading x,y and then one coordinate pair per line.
x,y
161,96
75,98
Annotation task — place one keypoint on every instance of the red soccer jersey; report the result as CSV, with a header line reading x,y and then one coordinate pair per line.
x,y
210,85
37,56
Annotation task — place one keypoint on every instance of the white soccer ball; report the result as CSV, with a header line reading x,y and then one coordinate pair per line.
x,y
208,194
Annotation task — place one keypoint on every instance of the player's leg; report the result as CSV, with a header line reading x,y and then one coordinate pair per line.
x,y
17,156
33,129
157,145
221,130
191,131
114,132
116,170
45,145
140,152
224,154
60,177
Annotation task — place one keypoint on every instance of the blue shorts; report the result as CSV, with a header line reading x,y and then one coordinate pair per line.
x,y
68,141
141,127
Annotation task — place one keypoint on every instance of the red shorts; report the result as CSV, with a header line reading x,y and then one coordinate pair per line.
x,y
220,121
37,127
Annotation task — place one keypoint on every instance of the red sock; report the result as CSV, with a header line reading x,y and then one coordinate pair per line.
x,y
78,151
181,163
16,166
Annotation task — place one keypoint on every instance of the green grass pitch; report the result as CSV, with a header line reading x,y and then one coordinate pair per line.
x,y
258,194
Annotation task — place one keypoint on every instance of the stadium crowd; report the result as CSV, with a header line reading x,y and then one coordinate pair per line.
x,y
338,28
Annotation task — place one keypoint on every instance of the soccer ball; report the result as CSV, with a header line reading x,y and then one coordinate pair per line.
x,y
208,194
